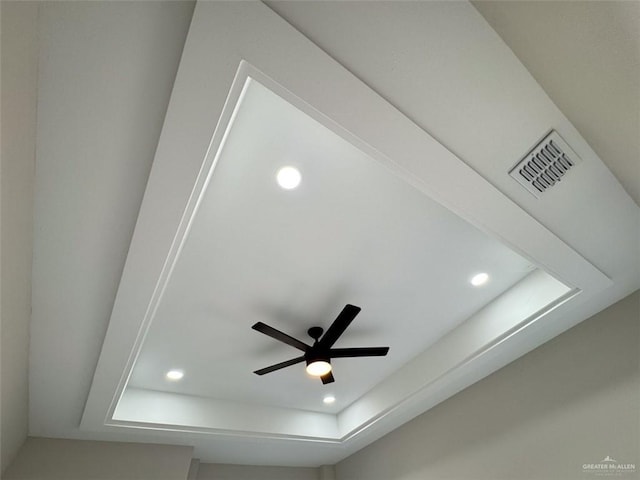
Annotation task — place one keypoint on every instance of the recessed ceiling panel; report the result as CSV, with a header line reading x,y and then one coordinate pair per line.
x,y
351,232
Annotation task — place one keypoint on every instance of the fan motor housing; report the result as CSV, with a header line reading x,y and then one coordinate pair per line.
x,y
316,354
315,332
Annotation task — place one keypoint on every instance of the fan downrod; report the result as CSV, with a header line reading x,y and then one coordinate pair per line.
x,y
315,333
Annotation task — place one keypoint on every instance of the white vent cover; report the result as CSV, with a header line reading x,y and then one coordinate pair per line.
x,y
545,165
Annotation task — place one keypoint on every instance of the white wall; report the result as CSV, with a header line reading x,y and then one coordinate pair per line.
x,y
105,71
19,80
572,401
606,59
214,471
53,459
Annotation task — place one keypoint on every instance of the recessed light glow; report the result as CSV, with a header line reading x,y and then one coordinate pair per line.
x,y
318,368
174,375
329,399
288,177
479,279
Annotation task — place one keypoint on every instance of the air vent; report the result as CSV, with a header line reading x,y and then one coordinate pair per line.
x,y
545,165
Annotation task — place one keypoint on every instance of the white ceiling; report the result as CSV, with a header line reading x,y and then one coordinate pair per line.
x,y
353,232
586,55
97,131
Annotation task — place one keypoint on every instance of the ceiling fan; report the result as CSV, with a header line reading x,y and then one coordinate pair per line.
x,y
318,356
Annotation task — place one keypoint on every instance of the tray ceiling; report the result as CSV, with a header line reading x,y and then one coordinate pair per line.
x,y
386,217
352,232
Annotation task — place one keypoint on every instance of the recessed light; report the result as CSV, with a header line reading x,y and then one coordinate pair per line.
x,y
174,375
479,279
329,399
288,177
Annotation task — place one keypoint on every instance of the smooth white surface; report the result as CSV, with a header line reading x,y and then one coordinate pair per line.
x,y
597,43
352,233
437,373
19,78
538,418
476,117
465,87
248,472
105,74
174,412
53,458
147,275
447,366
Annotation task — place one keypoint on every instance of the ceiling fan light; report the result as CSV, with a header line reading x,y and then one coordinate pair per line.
x,y
318,368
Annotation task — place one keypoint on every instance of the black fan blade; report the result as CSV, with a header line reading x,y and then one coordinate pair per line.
x,y
278,335
328,378
339,325
358,352
280,365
